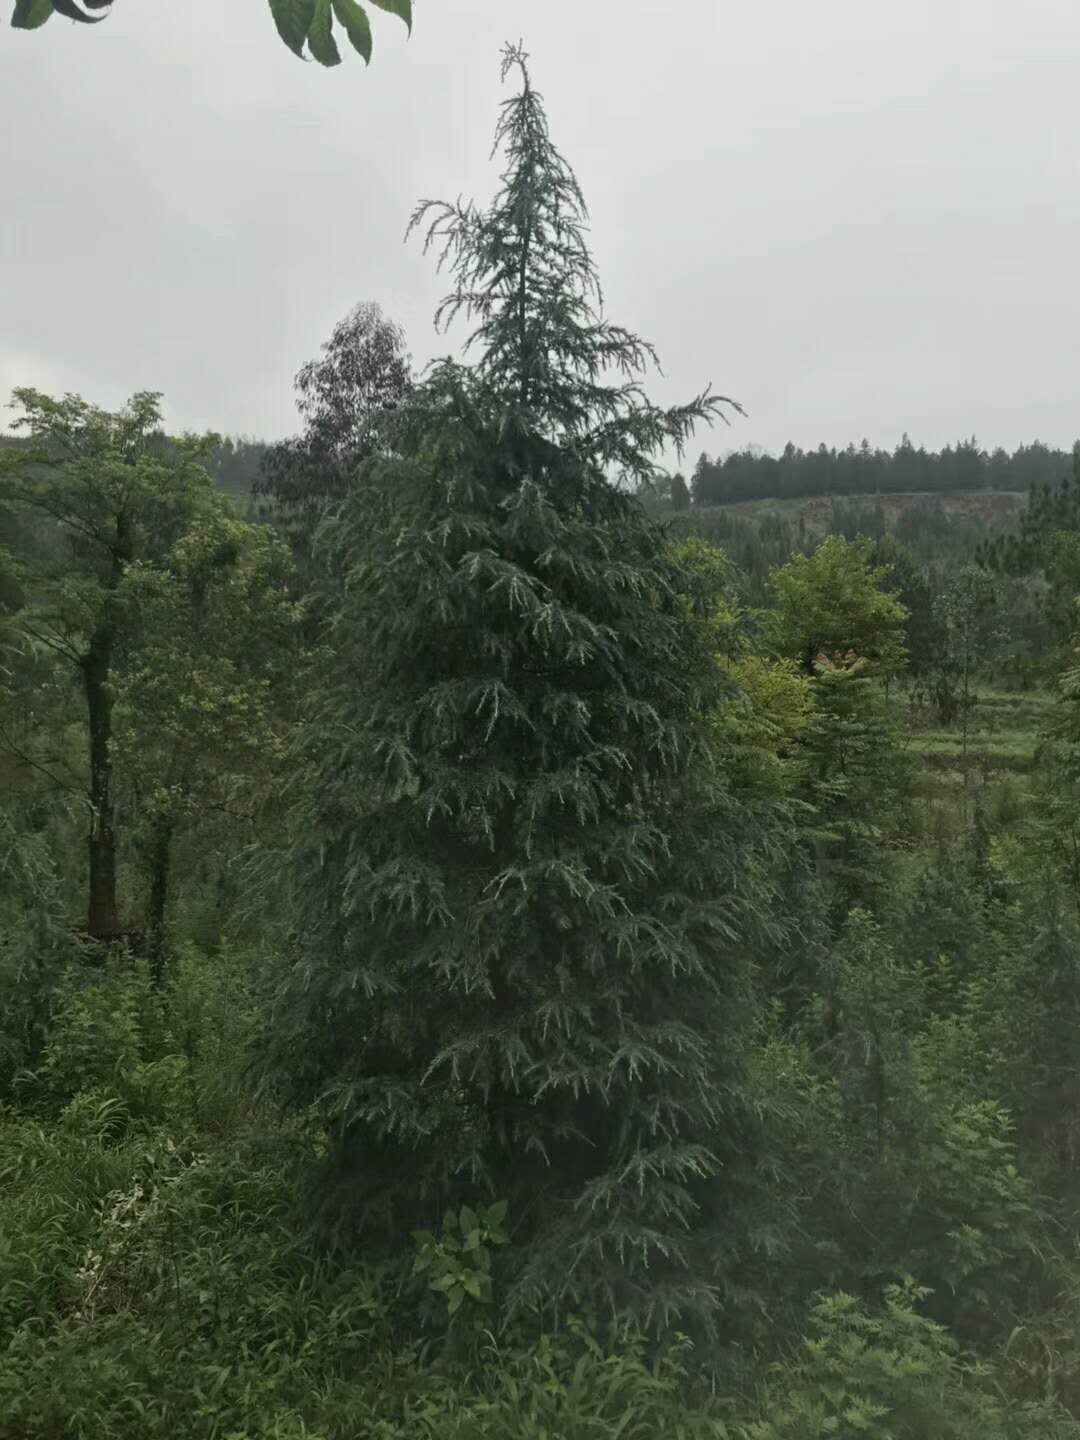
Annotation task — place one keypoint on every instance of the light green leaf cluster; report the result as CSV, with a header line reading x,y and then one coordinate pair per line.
x,y
213,659
458,1263
834,601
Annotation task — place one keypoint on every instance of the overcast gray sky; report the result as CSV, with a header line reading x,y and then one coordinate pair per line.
x,y
856,217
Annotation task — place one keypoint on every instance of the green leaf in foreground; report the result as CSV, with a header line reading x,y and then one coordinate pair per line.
x,y
294,20
31,14
357,26
320,37
402,8
71,11
306,26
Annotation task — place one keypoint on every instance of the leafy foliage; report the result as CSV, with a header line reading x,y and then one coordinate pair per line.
x,y
306,26
212,665
891,1376
834,601
457,1264
110,489
347,400
169,614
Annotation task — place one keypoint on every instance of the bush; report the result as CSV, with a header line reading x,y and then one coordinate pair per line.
x,y
893,1375
154,1291
34,946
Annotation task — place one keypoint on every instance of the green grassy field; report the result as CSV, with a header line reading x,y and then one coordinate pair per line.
x,y
986,762
1002,732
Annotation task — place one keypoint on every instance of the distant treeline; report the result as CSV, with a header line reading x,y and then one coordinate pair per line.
x,y
860,470
233,462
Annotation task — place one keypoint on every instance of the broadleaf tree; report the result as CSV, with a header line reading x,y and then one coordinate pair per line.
x,y
523,897
113,491
206,692
836,600
347,399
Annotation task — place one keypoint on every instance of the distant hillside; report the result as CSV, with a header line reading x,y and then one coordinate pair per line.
x,y
862,470
936,531
818,513
233,463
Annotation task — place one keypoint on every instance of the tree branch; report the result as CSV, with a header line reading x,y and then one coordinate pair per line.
x,y
28,760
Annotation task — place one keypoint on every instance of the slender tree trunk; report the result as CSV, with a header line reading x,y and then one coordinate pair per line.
x,y
1074,868
102,917
877,1071
103,913
966,701
160,867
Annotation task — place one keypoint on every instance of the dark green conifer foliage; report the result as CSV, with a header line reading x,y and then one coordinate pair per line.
x,y
522,969
1046,542
680,492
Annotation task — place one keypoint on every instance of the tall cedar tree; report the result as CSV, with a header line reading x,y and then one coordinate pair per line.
x,y
521,969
